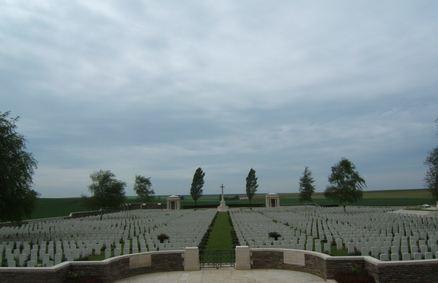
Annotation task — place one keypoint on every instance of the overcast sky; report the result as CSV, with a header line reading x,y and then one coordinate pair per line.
x,y
159,88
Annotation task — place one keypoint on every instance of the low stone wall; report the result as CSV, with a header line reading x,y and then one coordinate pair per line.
x,y
412,271
267,259
296,260
424,271
50,275
325,266
78,214
345,264
27,221
103,271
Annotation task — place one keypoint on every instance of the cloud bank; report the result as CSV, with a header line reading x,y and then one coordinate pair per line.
x,y
161,87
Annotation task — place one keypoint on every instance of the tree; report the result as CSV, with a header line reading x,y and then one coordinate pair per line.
x,y
346,183
143,188
17,199
197,184
108,192
306,185
251,184
432,172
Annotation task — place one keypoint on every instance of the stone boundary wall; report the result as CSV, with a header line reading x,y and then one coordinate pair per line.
x,y
326,267
129,206
27,221
83,213
75,214
79,214
103,271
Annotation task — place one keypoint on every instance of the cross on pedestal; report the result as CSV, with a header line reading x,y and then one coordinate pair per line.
x,y
222,206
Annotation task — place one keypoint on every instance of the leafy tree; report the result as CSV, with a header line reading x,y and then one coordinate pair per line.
x,y
197,184
143,188
432,173
108,192
306,185
251,184
17,199
346,183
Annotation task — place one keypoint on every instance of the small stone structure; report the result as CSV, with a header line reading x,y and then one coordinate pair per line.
x,y
173,202
272,200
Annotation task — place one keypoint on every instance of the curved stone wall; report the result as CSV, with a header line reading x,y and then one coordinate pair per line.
x,y
107,270
327,267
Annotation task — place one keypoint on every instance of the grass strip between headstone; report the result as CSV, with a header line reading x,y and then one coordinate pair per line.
x,y
220,237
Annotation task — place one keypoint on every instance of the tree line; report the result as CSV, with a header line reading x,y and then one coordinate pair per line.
x,y
17,165
345,187
346,184
109,192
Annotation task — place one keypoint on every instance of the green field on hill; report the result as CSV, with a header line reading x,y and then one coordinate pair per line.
x,y
53,207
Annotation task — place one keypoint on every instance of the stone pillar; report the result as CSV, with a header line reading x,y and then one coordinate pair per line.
x,y
191,259
243,259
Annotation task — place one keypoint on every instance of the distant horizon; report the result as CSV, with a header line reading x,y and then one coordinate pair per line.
x,y
243,193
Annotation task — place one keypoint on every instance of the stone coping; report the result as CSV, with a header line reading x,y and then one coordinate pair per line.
x,y
85,262
321,255
368,259
379,262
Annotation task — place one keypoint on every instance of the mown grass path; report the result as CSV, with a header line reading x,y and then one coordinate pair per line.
x,y
220,237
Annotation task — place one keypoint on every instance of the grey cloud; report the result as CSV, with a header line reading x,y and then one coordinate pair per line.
x,y
159,88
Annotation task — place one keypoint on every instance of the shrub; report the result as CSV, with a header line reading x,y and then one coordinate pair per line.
x,y
274,235
162,237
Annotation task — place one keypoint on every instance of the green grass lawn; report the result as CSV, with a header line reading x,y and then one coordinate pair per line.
x,y
53,207
220,236
219,247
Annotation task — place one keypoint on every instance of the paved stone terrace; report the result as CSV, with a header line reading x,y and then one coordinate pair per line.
x,y
229,275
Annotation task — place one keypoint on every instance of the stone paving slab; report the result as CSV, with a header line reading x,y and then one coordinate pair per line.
x,y
227,275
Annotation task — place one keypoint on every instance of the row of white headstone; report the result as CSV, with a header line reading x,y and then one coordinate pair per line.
x,y
359,231
50,242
